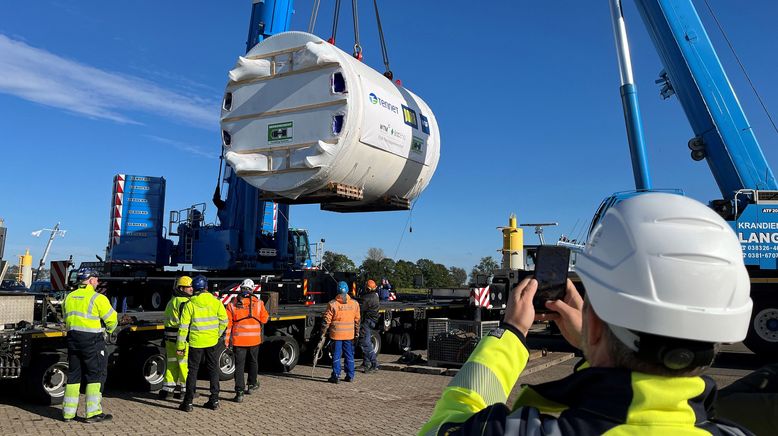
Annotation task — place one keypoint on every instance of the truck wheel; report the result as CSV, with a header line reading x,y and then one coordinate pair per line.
x,y
226,364
144,368
405,342
280,354
154,300
375,341
44,381
762,336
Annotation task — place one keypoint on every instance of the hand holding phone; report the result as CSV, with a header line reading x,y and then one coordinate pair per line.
x,y
551,267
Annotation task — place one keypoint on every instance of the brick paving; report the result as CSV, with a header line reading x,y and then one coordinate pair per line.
x,y
389,402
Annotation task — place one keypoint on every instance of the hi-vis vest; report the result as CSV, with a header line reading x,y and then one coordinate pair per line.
x,y
203,320
85,310
342,317
245,317
613,401
172,317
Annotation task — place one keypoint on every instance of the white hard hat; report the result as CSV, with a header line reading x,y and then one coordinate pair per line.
x,y
667,265
247,284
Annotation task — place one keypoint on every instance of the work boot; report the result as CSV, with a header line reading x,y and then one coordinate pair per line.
x,y
185,407
162,394
348,379
211,404
333,379
251,388
238,397
177,395
98,418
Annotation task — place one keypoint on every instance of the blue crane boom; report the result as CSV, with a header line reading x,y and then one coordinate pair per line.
x,y
243,211
695,74
723,137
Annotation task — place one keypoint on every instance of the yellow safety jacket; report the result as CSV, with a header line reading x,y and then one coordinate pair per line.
x,y
86,311
613,401
172,317
203,320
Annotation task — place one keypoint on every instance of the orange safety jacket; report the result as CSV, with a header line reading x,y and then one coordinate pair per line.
x,y
245,317
342,318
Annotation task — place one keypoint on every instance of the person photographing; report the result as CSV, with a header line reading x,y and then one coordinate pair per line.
x,y
665,284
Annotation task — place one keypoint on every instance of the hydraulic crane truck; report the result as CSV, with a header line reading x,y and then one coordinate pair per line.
x,y
723,138
252,239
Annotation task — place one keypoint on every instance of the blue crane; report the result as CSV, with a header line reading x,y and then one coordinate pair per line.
x,y
723,138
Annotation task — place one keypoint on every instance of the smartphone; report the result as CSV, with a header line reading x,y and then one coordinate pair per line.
x,y
551,266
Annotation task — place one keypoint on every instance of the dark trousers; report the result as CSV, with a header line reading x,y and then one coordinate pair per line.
x,y
241,353
196,356
368,354
86,357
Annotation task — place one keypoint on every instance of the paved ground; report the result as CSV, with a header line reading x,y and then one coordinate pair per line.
x,y
391,402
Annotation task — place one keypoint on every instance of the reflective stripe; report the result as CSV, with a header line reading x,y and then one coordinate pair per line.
x,y
108,314
247,326
481,380
172,359
92,303
86,329
205,327
246,333
206,319
82,315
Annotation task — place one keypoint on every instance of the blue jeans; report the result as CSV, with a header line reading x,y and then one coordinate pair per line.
x,y
367,347
342,348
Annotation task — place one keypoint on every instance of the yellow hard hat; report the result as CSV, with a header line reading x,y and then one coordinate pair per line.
x,y
184,281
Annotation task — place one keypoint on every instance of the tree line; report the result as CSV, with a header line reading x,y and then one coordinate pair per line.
x,y
404,273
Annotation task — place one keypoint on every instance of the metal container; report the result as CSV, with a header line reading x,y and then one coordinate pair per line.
x,y
307,122
450,341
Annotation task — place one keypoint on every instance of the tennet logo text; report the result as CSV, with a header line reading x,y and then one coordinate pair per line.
x,y
385,104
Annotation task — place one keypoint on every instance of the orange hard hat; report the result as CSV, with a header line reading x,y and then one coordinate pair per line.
x,y
370,284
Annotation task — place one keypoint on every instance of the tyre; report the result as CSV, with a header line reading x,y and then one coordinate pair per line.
x,y
375,341
43,382
404,343
280,354
226,364
144,367
155,300
762,336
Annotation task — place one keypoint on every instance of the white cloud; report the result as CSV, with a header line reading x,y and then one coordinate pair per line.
x,y
46,78
183,146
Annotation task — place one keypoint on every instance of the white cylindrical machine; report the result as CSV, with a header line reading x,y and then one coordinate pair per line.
x,y
305,121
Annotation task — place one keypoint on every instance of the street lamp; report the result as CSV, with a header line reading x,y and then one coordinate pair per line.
x,y
56,231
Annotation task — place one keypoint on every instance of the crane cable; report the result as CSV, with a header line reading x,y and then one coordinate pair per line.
x,y
335,22
742,67
357,48
388,73
314,15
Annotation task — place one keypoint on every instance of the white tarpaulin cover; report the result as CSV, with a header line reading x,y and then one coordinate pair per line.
x,y
299,113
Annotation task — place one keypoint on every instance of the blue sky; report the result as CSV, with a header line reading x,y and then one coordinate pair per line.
x,y
526,95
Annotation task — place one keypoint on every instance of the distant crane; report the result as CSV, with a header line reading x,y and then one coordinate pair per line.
x,y
56,231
